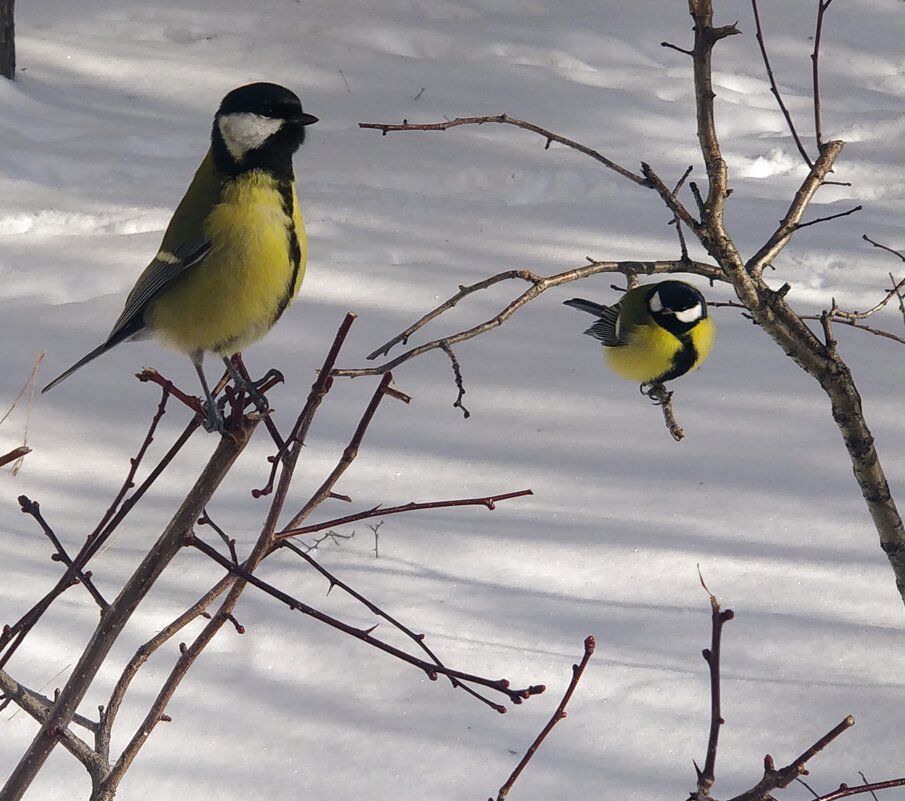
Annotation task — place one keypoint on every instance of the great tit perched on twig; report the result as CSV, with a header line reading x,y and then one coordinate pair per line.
x,y
233,256
655,333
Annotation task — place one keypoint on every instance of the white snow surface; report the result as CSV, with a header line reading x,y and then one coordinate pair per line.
x,y
98,138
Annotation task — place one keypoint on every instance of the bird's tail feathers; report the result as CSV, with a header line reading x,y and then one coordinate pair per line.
x,y
80,363
588,306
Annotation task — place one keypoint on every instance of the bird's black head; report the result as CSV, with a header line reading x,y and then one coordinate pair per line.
x,y
676,306
259,126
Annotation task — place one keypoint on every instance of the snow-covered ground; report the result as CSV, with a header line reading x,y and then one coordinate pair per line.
x,y
98,138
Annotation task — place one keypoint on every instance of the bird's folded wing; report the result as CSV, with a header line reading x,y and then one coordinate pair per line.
x,y
165,268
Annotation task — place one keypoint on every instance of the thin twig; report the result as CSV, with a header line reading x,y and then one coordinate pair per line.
x,y
718,618
789,223
11,636
319,390
431,670
418,639
560,713
663,398
488,501
457,376
775,89
845,791
348,456
144,652
822,6
503,119
777,778
683,245
33,509
888,249
801,225
538,283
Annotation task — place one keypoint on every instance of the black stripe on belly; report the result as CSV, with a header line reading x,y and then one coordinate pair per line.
x,y
682,362
284,187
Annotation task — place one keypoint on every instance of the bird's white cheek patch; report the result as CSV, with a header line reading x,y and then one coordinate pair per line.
x,y
245,131
689,315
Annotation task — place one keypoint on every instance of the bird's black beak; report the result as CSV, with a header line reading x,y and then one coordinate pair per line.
x,y
304,119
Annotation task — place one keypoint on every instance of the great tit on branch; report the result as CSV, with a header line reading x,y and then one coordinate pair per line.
x,y
655,333
233,256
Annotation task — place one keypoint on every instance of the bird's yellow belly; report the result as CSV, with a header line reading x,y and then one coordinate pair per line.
x,y
650,354
237,292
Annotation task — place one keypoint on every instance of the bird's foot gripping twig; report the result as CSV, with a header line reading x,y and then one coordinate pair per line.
x,y
254,389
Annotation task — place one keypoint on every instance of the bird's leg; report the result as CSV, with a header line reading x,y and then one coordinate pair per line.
x,y
214,417
251,387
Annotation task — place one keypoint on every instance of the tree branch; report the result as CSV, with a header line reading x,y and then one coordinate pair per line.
x,y
115,617
502,119
538,283
560,714
489,501
775,89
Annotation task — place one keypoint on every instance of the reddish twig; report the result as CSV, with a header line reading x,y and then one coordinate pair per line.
x,y
488,501
319,389
348,454
418,639
33,508
777,778
868,787
12,636
558,715
431,670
